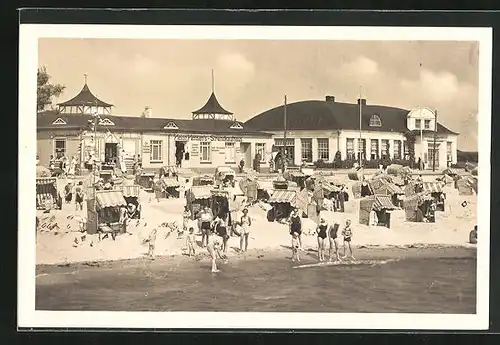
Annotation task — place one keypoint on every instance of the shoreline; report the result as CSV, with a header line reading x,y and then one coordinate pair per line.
x,y
408,251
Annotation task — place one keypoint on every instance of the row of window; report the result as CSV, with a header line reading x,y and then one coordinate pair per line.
x,y
418,124
385,149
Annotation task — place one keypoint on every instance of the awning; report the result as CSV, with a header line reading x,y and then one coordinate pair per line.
x,y
393,189
297,174
130,191
201,192
383,202
330,188
283,196
110,198
169,182
450,171
46,180
433,187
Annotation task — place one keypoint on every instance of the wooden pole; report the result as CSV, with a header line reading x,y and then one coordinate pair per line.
x,y
284,156
360,124
434,148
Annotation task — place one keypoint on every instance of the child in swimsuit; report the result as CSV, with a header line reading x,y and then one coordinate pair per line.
x,y
347,233
191,242
245,222
213,248
321,232
295,247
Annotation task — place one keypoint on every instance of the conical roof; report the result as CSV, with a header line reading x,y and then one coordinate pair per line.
x,y
212,107
85,97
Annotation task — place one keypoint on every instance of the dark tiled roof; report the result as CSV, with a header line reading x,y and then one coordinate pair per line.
x,y
212,107
133,123
85,97
329,115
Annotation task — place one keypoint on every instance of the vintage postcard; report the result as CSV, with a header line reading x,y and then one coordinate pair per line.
x,y
254,177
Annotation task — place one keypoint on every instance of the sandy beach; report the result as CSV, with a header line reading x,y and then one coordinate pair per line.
x,y
57,246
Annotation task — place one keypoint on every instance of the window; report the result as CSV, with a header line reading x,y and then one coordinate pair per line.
x,y
260,148
384,145
236,125
323,150
427,124
290,147
397,149
156,150
171,125
449,155
406,149
374,149
59,148
230,153
375,121
59,121
418,123
205,152
106,122
361,148
350,148
306,146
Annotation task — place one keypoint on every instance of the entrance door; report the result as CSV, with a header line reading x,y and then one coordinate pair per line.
x,y
110,152
180,150
246,153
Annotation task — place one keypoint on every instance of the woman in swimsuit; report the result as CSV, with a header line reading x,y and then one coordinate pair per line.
x,y
347,233
213,248
296,225
321,231
334,239
220,227
245,223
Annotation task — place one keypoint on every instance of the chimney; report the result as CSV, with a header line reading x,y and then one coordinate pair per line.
x,y
362,101
330,99
147,112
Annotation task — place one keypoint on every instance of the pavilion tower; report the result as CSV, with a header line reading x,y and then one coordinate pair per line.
x,y
85,103
212,109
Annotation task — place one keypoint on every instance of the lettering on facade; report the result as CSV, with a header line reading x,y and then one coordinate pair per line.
x,y
204,138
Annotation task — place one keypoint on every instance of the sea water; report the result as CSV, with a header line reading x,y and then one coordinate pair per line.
x,y
413,285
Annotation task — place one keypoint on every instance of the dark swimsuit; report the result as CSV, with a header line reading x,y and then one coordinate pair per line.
x,y
322,231
348,235
333,231
295,226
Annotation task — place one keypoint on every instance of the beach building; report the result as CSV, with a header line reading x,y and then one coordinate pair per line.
x,y
212,137
318,129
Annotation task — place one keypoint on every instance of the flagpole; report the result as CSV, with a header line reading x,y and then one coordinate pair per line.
x,y
360,123
434,148
284,156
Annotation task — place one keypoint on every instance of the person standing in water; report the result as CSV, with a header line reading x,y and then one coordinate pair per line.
x,y
245,223
296,225
347,234
205,220
213,248
295,247
191,242
334,238
220,227
321,231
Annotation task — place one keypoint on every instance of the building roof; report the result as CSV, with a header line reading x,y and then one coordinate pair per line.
x,y
212,107
85,97
332,115
46,119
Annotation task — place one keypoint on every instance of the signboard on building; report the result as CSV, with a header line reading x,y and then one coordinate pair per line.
x,y
204,138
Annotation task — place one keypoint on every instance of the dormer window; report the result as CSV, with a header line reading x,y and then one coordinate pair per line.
x,y
106,122
418,123
236,125
59,121
171,125
427,124
375,121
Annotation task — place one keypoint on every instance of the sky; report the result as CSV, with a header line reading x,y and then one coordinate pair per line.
x,y
174,77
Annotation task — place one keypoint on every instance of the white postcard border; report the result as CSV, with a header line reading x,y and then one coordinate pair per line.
x,y
28,63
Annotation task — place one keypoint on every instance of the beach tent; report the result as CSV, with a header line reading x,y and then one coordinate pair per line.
x,y
107,205
381,204
465,186
355,174
296,176
47,195
445,179
282,201
131,194
203,180
451,172
417,206
249,187
469,167
383,187
398,170
198,197
169,186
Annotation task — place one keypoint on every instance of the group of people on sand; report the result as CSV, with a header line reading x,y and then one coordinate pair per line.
x,y
325,232
68,167
70,190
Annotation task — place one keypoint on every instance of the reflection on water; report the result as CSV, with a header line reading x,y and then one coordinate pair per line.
x,y
411,285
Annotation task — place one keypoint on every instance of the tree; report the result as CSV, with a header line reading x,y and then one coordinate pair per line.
x,y
46,90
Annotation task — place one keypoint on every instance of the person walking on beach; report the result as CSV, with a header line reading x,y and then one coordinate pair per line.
x,y
245,223
185,217
321,231
191,242
79,196
295,247
296,225
152,242
205,220
334,238
347,234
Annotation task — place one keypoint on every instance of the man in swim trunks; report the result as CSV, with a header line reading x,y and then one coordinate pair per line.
x,y
335,241
347,234
296,226
205,219
321,231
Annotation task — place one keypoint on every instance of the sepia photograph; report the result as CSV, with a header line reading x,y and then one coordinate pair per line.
x,y
330,177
